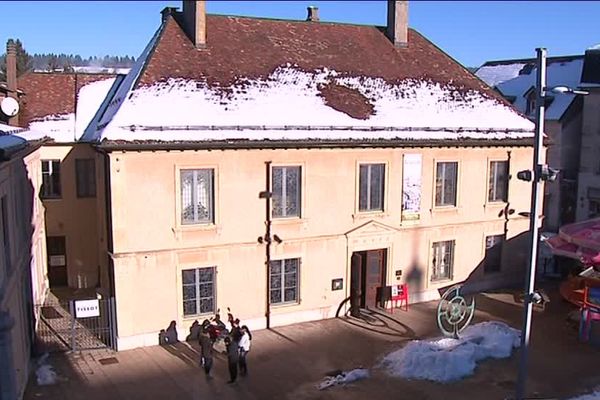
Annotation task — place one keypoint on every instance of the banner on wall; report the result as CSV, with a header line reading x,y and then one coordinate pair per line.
x,y
411,187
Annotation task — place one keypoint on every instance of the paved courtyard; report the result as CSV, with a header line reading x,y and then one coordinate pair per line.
x,y
289,362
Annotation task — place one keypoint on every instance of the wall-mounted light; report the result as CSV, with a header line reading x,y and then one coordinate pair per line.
x,y
277,239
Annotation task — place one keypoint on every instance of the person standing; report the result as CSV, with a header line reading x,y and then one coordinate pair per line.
x,y
206,351
245,341
233,356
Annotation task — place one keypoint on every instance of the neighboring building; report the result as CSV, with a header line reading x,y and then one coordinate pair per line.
x,y
515,80
589,173
22,258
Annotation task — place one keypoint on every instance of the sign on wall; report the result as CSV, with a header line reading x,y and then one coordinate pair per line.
x,y
87,308
411,187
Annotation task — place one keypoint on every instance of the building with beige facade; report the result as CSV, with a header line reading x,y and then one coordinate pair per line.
x,y
22,258
275,167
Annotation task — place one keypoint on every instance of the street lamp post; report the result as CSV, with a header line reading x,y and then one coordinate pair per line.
x,y
540,173
536,191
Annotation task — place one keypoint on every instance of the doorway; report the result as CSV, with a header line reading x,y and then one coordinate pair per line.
x,y
56,247
368,271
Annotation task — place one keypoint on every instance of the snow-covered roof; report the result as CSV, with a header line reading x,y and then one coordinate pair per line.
x,y
258,79
62,120
515,78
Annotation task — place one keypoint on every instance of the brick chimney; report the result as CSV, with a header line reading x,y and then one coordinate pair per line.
x,y
11,75
397,22
313,14
194,18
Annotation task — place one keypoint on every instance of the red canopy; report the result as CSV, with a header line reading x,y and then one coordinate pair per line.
x,y
580,240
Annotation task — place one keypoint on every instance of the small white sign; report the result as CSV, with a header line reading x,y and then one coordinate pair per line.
x,y
57,261
87,308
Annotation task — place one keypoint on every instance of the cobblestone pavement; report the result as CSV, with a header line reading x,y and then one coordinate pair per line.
x,y
289,362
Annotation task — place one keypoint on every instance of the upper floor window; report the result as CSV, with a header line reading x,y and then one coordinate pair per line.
x,y
198,288
197,196
493,253
283,280
85,171
443,260
371,187
286,191
51,179
445,183
498,185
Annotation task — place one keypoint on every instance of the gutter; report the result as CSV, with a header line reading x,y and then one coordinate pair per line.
x,y
243,144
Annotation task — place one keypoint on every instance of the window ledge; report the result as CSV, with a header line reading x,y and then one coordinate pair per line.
x,y
495,204
369,214
187,318
288,221
441,281
285,305
446,209
197,228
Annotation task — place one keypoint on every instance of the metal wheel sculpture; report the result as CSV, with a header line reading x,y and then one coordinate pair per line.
x,y
453,312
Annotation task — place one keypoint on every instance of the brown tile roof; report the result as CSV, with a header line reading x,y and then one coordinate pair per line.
x,y
240,47
50,93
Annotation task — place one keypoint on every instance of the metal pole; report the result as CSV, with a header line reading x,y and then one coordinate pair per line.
x,y
536,192
268,242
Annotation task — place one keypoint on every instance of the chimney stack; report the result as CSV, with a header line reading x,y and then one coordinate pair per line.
x,y
11,75
194,18
313,14
397,22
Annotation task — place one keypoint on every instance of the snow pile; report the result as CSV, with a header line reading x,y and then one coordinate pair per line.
x,y
591,396
45,373
291,97
344,378
447,359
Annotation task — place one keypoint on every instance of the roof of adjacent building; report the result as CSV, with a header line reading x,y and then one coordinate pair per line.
x,y
590,75
60,105
295,80
515,79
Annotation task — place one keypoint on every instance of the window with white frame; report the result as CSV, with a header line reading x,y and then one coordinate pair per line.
x,y
51,179
283,281
198,286
443,260
493,253
5,231
85,172
286,191
371,187
498,185
197,196
445,183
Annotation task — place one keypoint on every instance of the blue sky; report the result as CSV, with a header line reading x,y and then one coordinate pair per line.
x,y
470,31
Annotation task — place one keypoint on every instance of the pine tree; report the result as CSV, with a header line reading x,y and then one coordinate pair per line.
x,y
24,63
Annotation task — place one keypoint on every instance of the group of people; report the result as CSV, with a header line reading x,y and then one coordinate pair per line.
x,y
237,345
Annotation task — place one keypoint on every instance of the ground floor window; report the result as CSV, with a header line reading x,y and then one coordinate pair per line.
x,y
198,290
443,260
283,282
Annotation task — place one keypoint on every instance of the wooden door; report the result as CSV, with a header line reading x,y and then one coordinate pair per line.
x,y
374,274
355,284
57,260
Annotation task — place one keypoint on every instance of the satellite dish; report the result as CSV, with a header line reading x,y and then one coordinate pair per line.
x,y
9,106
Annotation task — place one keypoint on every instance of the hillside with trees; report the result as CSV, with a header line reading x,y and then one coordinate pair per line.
x,y
60,62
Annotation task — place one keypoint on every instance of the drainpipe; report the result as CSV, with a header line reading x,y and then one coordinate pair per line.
x,y
267,239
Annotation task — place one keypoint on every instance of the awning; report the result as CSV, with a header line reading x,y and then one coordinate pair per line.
x,y
580,241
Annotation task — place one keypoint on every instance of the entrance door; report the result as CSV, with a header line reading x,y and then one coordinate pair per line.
x,y
374,275
57,260
367,274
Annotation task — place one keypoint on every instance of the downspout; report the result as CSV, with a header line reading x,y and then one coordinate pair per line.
x,y
267,196
110,249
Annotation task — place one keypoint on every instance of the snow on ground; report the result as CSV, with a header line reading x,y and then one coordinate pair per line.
x,y
291,97
45,374
448,359
344,377
495,74
590,396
